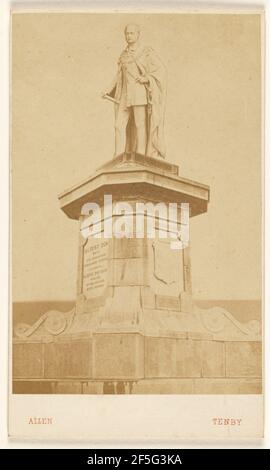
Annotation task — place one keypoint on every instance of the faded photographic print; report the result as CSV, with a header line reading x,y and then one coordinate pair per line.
x,y
136,158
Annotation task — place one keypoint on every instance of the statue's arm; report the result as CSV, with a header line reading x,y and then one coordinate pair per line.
x,y
111,87
113,83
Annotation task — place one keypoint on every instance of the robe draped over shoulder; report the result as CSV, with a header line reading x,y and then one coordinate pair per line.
x,y
150,66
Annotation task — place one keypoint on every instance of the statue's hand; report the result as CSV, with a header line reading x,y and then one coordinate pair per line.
x,y
142,79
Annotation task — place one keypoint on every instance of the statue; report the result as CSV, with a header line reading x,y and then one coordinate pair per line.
x,y
138,92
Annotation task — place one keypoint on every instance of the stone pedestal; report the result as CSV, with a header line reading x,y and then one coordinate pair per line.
x,y
120,277
134,328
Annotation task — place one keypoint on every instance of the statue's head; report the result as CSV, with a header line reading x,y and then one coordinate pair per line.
x,y
132,33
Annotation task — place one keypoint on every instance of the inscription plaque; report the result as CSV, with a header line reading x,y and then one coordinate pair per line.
x,y
95,267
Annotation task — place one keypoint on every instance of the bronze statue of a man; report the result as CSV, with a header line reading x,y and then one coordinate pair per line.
x,y
139,92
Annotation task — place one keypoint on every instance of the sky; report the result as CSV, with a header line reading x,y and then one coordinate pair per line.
x,y
62,130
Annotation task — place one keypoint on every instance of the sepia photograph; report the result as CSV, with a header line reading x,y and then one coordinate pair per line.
x,y
136,204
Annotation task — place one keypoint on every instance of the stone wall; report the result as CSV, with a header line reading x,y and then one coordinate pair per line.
x,y
135,363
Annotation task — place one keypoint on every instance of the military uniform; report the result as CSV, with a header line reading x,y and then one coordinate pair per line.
x,y
133,93
139,107
133,99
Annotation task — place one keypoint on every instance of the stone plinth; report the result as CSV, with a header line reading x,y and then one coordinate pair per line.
x,y
134,176
134,328
120,277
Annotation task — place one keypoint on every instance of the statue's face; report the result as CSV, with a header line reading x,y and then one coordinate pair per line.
x,y
131,33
